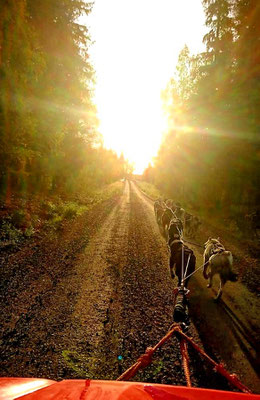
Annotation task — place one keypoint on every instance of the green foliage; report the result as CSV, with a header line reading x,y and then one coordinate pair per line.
x,y
29,232
49,143
183,74
72,211
219,89
16,226
56,213
18,218
55,222
114,189
81,365
209,172
8,232
210,157
49,209
149,189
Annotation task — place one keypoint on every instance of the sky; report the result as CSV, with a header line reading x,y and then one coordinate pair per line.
x,y
135,48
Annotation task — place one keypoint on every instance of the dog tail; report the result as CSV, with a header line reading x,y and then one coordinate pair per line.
x,y
233,276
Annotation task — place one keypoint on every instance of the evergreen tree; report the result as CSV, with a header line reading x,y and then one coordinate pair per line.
x,y
246,90
48,126
216,94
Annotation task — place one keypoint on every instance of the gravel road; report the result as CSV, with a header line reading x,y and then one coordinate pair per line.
x,y
88,301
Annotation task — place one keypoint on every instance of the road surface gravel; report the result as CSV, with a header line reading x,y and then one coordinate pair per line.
x,y
88,301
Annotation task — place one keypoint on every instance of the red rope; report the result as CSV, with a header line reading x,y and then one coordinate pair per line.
x,y
232,378
146,359
185,361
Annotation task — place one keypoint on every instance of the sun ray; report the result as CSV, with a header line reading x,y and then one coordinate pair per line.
x,y
135,52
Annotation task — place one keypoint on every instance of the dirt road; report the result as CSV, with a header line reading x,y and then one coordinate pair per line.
x,y
74,305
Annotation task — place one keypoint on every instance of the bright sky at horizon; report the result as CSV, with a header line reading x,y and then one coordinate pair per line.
x,y
135,50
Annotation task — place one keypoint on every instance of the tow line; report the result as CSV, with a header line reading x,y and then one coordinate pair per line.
x,y
195,244
196,270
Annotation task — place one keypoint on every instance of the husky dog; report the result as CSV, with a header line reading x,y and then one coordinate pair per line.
x,y
159,207
220,262
180,255
175,229
179,212
211,247
189,260
169,203
167,216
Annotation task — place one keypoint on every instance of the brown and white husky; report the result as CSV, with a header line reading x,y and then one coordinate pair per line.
x,y
219,261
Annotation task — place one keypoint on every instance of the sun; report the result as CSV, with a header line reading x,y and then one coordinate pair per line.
x,y
136,48
133,127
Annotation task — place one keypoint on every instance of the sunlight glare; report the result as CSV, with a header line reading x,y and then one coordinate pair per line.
x,y
135,52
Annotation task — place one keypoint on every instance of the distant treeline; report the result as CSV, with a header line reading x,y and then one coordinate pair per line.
x,y
210,157
49,142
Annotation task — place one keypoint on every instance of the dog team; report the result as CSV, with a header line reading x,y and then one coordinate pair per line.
x,y
173,221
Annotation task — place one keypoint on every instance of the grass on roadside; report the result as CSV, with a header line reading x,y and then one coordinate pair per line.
x,y
114,189
149,189
21,220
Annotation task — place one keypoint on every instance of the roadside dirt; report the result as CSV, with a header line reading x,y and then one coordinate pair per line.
x,y
75,303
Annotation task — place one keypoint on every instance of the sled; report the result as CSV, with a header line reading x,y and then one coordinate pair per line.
x,y
80,389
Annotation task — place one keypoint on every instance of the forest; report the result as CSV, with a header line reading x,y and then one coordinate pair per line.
x,y
84,261
49,138
50,144
210,156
